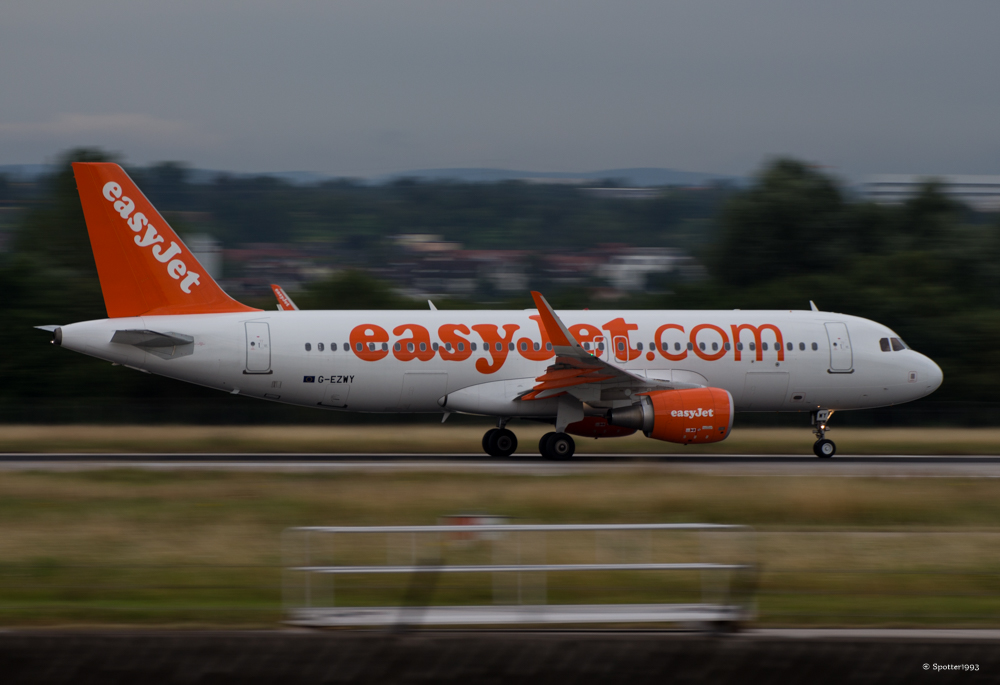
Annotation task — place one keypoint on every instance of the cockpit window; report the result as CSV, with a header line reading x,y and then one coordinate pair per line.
x,y
884,344
897,345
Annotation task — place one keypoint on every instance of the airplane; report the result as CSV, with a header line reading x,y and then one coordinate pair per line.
x,y
677,376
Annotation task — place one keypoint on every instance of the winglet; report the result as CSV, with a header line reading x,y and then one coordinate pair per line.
x,y
285,303
554,328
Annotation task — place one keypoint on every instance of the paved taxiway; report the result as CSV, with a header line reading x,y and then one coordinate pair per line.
x,y
909,466
526,657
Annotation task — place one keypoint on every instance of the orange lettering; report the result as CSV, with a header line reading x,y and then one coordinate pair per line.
x,y
661,346
705,355
619,329
448,335
585,333
409,348
527,347
756,337
497,346
365,337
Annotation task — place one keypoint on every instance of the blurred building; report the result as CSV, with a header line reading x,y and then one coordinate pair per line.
x,y
436,275
253,267
208,251
428,265
623,193
425,242
504,270
979,192
427,272
571,269
630,268
423,265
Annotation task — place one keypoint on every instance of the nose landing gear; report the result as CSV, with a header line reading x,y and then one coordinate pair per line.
x,y
556,446
823,448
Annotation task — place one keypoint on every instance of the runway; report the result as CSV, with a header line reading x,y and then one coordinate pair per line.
x,y
898,466
444,657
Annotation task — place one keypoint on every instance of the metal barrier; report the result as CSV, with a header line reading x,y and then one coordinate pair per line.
x,y
517,559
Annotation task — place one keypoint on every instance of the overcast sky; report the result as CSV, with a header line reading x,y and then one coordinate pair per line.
x,y
372,86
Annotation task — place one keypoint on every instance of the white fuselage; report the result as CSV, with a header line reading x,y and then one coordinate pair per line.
x,y
828,361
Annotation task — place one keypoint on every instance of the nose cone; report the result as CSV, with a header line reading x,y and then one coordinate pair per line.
x,y
931,376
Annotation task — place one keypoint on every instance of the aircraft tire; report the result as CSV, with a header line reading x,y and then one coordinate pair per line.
x,y
486,441
825,448
543,444
561,447
503,443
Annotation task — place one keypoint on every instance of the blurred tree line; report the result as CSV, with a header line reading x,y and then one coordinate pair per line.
x,y
930,269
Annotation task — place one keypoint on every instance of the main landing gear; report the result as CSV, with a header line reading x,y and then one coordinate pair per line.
x,y
499,442
823,448
556,446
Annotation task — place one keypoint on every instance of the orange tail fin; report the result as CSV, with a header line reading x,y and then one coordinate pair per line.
x,y
143,266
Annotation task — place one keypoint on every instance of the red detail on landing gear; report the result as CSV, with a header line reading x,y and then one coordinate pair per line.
x,y
597,427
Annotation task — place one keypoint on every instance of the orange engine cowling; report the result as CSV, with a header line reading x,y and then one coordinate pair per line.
x,y
694,416
597,427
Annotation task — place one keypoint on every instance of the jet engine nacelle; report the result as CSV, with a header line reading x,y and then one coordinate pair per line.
x,y
697,415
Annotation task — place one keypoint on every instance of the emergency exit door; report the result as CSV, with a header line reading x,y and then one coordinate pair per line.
x,y
258,347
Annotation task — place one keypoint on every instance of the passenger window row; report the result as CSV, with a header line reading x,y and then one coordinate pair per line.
x,y
895,344
434,346
333,347
739,346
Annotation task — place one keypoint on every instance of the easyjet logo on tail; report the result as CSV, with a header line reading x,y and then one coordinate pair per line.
x,y
148,236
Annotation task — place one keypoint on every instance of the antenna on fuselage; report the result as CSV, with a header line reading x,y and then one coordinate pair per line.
x,y
812,306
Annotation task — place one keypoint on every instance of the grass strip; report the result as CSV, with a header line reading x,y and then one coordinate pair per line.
x,y
458,439
192,548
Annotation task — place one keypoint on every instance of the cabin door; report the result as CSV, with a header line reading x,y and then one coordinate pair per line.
x,y
258,347
841,356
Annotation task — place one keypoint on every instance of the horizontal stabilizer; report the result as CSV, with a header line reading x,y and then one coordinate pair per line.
x,y
144,338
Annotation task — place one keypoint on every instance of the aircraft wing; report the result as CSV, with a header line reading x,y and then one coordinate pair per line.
x,y
285,303
580,373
